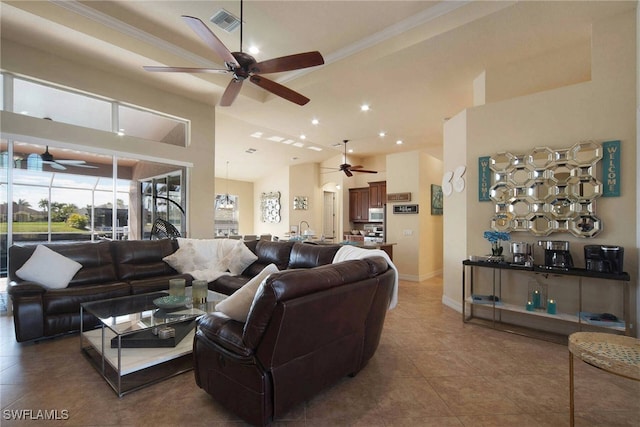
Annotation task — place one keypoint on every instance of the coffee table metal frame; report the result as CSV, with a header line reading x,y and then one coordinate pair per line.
x,y
123,316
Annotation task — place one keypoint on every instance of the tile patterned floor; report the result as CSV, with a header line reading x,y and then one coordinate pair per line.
x,y
430,370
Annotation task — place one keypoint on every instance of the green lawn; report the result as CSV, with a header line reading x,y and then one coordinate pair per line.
x,y
40,227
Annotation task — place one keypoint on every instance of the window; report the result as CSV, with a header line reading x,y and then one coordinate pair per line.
x,y
226,215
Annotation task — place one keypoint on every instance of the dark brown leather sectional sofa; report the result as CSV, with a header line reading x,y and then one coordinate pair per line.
x,y
118,268
307,329
109,269
311,324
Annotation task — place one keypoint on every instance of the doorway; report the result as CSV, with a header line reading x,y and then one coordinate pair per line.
x,y
329,215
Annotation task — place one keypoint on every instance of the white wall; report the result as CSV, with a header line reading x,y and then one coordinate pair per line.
x,y
277,181
601,109
23,60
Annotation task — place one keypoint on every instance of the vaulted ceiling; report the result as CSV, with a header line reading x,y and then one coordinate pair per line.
x,y
413,62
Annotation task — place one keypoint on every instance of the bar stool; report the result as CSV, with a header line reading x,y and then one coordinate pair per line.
x,y
616,354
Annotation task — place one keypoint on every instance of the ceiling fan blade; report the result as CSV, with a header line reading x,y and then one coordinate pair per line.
x,y
210,39
56,165
278,89
289,63
363,170
348,173
70,162
84,166
231,92
185,69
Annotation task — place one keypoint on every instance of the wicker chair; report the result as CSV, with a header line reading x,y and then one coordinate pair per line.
x,y
163,230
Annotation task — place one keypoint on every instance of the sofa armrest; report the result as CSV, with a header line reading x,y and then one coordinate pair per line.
x,y
28,311
225,332
26,288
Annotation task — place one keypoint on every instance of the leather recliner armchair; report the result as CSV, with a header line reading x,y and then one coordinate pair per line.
x,y
307,328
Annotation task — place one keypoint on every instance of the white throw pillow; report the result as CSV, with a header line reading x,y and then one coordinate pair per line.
x,y
237,305
185,259
240,258
49,268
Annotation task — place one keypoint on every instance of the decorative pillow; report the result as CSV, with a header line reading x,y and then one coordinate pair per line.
x,y
49,268
237,305
185,259
240,258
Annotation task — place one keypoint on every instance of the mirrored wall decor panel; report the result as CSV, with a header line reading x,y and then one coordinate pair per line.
x,y
547,190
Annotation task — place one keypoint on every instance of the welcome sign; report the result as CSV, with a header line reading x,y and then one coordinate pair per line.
x,y
611,169
484,179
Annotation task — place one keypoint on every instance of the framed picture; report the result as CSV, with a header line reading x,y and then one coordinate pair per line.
x,y
436,199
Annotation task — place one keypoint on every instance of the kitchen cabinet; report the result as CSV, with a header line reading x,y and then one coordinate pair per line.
x,y
377,194
498,305
359,204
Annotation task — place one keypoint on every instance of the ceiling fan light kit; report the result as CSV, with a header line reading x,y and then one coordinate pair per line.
x,y
244,66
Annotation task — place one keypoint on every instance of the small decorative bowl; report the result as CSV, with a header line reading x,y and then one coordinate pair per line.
x,y
170,302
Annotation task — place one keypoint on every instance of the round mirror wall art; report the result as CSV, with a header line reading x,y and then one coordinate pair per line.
x,y
547,190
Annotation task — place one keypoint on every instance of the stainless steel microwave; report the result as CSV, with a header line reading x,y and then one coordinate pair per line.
x,y
376,214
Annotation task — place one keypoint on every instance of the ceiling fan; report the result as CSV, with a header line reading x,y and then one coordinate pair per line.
x,y
243,65
48,159
347,168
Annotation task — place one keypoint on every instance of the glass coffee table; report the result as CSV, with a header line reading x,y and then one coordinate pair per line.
x,y
137,343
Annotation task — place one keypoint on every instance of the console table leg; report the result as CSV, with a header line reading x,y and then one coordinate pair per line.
x,y
571,390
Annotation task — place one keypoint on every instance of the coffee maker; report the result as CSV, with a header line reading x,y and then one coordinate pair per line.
x,y
604,258
556,254
521,253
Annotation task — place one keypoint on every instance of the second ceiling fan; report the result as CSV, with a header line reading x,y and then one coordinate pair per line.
x,y
347,168
243,66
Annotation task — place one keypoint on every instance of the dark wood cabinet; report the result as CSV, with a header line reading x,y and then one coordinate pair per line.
x,y
359,204
377,194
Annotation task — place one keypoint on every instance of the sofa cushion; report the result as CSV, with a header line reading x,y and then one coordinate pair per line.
x,y
49,268
228,284
186,258
68,300
269,253
240,258
141,259
238,304
305,255
95,257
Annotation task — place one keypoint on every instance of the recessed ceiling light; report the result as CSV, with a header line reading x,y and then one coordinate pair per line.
x,y
350,150
275,138
314,148
254,50
315,122
399,142
303,136
298,144
287,141
365,107
382,134
257,134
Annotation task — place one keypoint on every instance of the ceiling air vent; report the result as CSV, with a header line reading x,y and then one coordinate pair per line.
x,y
225,20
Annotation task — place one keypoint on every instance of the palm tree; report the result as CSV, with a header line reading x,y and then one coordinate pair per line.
x,y
44,205
22,204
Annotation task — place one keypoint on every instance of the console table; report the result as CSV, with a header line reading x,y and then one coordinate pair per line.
x,y
497,308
